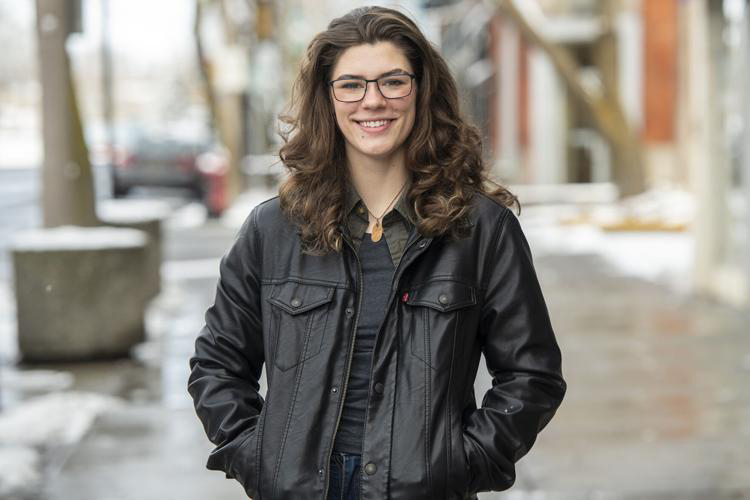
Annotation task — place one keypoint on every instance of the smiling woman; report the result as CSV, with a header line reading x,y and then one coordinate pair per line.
x,y
370,287
374,124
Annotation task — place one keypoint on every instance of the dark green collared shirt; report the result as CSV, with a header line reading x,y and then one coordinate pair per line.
x,y
397,224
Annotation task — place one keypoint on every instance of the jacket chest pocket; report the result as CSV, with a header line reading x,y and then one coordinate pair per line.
x,y
298,321
433,313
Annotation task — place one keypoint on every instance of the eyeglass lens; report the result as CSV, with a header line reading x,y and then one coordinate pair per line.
x,y
392,87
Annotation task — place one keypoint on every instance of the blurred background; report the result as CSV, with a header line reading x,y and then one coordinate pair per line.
x,y
135,136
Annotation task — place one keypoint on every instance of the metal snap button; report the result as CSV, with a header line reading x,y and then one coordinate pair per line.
x,y
371,468
349,311
296,302
321,472
334,390
443,298
379,388
422,244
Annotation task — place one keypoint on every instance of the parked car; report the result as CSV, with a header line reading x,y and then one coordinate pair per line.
x,y
142,159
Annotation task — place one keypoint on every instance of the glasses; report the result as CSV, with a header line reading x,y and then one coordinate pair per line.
x,y
390,87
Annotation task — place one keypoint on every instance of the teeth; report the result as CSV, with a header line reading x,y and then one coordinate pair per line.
x,y
378,123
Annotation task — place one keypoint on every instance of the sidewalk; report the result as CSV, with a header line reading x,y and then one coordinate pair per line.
x,y
658,406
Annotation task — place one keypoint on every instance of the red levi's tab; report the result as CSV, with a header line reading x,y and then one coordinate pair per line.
x,y
405,297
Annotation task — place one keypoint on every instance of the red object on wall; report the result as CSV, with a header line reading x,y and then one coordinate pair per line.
x,y
214,169
660,72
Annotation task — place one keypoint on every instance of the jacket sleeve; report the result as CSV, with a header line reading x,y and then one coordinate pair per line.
x,y
523,359
226,365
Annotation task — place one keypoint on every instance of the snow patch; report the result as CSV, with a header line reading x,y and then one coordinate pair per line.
x,y
235,215
189,216
39,381
72,238
60,418
20,472
662,257
180,270
132,211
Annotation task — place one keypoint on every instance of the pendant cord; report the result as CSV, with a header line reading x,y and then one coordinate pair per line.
x,y
377,219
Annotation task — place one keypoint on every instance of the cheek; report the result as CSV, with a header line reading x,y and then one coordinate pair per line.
x,y
342,119
409,122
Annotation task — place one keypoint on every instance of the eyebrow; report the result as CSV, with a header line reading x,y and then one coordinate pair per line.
x,y
387,73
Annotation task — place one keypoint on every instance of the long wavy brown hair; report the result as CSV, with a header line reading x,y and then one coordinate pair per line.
x,y
443,152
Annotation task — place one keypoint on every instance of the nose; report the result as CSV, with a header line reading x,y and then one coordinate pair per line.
x,y
373,98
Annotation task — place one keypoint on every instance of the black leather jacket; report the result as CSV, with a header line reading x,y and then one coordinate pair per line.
x,y
424,437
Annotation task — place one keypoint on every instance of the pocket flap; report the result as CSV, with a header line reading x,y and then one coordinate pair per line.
x,y
443,296
296,298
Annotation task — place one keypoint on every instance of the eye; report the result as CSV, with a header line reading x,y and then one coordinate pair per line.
x,y
394,82
349,84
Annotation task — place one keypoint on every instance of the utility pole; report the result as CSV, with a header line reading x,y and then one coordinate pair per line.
x,y
706,171
108,107
67,184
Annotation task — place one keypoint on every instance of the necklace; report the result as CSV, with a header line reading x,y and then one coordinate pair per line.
x,y
377,230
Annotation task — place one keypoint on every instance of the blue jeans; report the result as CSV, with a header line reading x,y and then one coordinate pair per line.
x,y
343,482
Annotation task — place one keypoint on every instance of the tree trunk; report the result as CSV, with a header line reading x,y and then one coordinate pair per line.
x,y
225,109
67,182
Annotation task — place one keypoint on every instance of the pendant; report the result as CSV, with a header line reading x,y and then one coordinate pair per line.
x,y
377,232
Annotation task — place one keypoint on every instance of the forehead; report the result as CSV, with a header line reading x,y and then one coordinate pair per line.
x,y
371,60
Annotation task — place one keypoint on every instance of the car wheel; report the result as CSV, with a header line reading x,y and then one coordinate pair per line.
x,y
119,190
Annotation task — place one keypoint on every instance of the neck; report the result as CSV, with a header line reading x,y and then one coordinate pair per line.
x,y
378,180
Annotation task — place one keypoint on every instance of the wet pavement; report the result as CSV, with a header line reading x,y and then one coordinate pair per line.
x,y
658,405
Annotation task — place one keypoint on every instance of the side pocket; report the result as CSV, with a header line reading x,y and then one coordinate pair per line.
x,y
459,475
469,487
245,466
241,466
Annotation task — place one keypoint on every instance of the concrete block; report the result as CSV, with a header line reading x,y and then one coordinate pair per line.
x,y
146,216
80,292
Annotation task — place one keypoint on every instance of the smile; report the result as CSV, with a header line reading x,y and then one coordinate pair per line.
x,y
374,125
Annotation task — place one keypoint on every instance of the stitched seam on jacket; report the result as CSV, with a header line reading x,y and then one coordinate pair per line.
x,y
459,317
428,373
257,238
274,331
400,333
297,380
303,281
259,447
499,230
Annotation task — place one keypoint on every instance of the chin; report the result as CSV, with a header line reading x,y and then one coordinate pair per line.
x,y
377,152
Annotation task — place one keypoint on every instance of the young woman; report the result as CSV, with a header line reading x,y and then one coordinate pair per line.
x,y
369,288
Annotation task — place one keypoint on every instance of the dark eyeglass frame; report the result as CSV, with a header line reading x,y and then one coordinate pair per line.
x,y
367,82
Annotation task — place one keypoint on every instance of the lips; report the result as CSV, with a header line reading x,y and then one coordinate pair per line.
x,y
374,125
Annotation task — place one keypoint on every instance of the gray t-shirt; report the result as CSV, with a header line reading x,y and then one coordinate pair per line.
x,y
377,270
